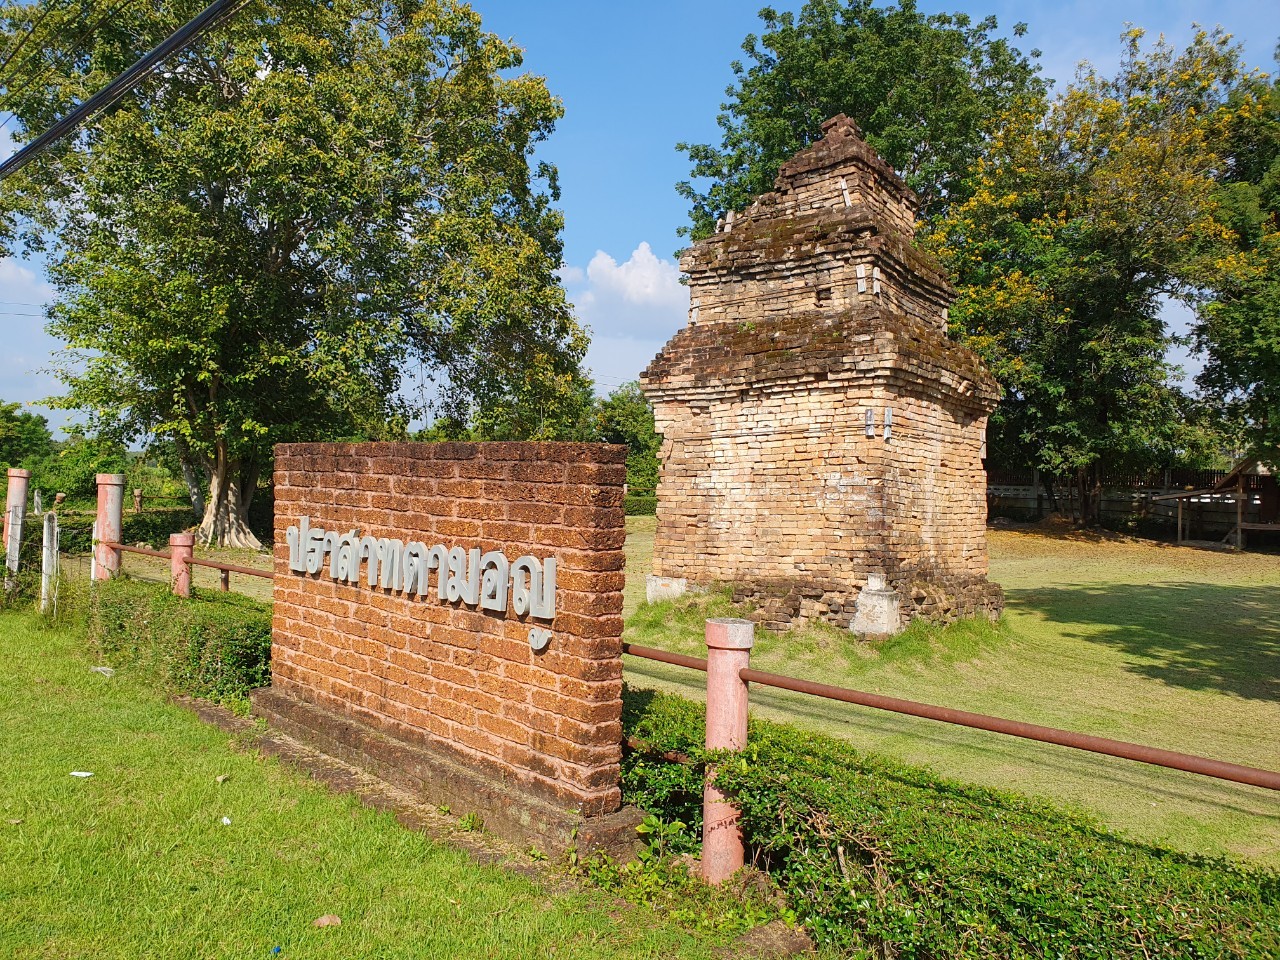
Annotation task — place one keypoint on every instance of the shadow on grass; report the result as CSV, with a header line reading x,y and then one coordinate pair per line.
x,y
1192,635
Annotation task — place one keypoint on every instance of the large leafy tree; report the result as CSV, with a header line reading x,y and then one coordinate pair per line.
x,y
922,88
23,435
626,416
1085,214
1239,325
250,248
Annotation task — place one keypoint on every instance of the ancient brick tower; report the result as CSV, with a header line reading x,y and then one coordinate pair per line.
x,y
818,426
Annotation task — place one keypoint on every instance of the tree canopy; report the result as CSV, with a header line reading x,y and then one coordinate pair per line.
x,y
23,435
922,88
625,416
1086,214
1239,325
1068,223
255,245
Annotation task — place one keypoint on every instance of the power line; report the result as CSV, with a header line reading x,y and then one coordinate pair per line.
x,y
121,85
48,68
16,48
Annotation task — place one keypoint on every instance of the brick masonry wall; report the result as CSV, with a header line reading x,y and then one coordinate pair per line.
x,y
782,492
808,309
446,675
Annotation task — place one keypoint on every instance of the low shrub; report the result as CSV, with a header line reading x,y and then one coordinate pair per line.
x,y
884,860
213,645
151,527
635,506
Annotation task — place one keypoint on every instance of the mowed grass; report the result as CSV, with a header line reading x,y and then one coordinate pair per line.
x,y
137,862
1169,646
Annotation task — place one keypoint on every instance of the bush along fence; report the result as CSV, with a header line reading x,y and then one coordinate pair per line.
x,y
729,642
871,854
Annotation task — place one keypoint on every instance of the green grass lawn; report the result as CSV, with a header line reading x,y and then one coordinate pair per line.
x,y
1167,646
136,861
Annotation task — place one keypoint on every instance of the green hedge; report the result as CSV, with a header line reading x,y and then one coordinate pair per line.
x,y
151,527
213,645
893,860
640,506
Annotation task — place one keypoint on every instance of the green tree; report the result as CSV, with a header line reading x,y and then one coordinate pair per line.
x,y
251,247
1083,216
23,435
1239,326
626,416
924,90
72,467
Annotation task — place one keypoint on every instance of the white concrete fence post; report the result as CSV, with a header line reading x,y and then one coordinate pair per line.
x,y
729,641
15,513
49,563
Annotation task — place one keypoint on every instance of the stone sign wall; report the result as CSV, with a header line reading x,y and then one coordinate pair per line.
x,y
458,605
819,428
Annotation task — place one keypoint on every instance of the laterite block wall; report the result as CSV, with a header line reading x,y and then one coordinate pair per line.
x,y
454,675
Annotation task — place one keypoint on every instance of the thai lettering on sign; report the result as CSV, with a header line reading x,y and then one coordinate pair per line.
x,y
474,577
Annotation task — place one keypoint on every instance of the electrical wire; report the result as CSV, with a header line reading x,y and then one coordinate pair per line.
x,y
206,20
16,48
85,32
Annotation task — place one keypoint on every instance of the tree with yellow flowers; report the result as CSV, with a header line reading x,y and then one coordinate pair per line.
x,y
1239,328
1086,213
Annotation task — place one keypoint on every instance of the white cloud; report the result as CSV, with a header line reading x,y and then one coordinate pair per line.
x,y
572,276
642,280
632,308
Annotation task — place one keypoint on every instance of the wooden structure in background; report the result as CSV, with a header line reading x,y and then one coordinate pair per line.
x,y
1265,496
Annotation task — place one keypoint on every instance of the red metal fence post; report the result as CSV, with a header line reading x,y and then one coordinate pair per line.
x,y
110,519
181,550
19,482
729,642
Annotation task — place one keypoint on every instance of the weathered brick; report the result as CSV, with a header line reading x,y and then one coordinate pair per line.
x,y
807,312
448,674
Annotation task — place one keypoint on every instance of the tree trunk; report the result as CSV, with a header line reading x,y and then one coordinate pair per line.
x,y
195,489
1089,482
1046,481
226,514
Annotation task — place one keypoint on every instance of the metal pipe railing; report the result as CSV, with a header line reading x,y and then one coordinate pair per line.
x,y
232,568
226,568
1204,766
1189,763
665,656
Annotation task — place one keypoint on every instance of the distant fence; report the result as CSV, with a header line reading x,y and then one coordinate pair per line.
x,y
1128,499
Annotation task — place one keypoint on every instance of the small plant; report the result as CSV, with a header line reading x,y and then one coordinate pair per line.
x,y
658,835
536,853
666,883
444,810
471,822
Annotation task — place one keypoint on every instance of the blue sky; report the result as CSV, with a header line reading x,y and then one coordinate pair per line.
x,y
636,79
